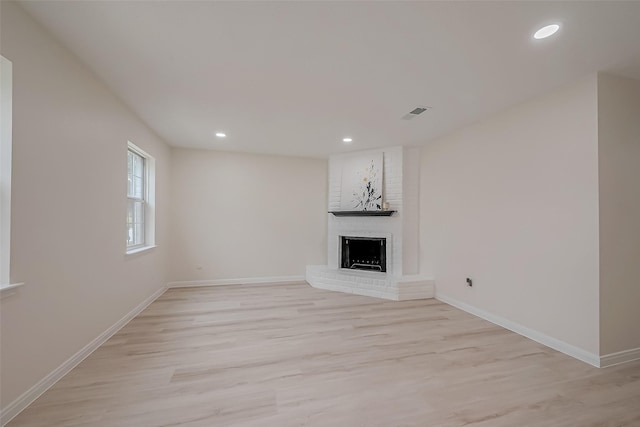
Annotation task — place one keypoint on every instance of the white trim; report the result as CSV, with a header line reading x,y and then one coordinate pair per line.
x,y
137,250
9,290
149,200
28,397
554,343
619,357
6,106
245,281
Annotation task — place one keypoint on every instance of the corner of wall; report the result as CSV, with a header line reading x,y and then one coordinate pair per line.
x,y
619,210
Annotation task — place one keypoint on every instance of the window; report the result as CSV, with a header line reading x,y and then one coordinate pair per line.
x,y
140,199
136,188
5,171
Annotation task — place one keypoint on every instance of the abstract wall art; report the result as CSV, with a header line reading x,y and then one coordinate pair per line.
x,y
362,183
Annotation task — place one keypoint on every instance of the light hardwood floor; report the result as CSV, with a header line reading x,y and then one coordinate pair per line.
x,y
291,355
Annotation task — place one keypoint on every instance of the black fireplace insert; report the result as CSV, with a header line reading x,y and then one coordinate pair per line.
x,y
364,253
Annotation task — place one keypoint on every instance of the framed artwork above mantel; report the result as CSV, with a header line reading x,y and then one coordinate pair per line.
x,y
361,188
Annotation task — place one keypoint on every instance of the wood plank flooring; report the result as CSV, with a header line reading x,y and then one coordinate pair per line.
x,y
291,355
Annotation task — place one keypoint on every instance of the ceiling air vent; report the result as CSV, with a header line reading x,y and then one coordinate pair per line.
x,y
414,113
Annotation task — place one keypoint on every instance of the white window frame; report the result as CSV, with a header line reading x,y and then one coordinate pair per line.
x,y
149,191
6,120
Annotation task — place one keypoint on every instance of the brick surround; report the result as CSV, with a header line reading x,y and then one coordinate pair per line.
x,y
401,190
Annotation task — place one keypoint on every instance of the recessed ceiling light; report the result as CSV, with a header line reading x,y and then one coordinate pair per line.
x,y
347,140
547,31
221,134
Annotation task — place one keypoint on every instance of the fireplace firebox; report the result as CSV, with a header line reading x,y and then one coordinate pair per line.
x,y
364,253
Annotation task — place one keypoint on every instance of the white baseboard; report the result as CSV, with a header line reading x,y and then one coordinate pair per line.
x,y
28,397
554,343
619,357
245,281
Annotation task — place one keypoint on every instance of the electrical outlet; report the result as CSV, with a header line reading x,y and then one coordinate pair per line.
x,y
469,282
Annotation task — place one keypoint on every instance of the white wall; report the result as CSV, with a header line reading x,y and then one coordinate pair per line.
x,y
68,213
619,163
411,211
244,215
512,202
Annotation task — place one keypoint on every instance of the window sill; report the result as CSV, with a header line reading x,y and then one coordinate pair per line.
x,y
8,290
140,250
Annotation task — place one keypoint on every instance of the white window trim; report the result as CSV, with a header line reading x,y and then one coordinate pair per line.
x,y
142,199
9,290
140,249
6,108
150,202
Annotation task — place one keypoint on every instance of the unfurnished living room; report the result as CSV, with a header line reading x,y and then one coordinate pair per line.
x,y
320,213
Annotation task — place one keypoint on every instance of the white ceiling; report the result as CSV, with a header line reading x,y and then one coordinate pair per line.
x,y
294,78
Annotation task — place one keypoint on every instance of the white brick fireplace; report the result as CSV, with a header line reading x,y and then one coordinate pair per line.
x,y
401,180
